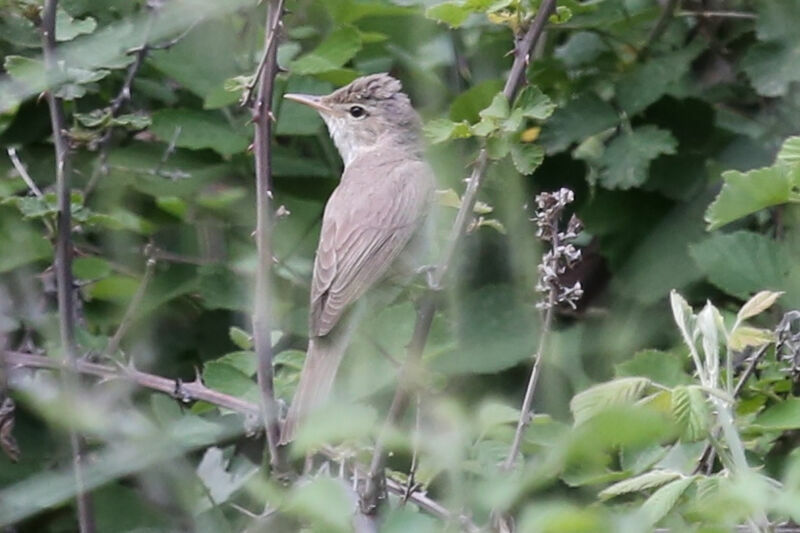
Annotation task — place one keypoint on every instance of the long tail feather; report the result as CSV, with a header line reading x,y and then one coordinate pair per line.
x,y
316,379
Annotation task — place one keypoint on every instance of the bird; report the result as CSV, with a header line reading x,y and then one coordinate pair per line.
x,y
373,225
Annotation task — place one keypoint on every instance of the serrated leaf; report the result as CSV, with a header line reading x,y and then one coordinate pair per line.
x,y
498,146
332,53
744,336
626,161
498,109
691,413
442,129
741,263
533,103
221,478
772,66
595,399
240,338
663,500
578,119
67,28
527,156
756,305
790,151
745,193
648,480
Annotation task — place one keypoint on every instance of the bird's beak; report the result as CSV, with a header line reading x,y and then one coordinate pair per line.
x,y
309,100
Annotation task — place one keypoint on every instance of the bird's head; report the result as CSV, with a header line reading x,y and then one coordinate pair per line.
x,y
369,110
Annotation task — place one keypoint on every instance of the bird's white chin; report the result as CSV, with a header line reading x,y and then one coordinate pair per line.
x,y
347,143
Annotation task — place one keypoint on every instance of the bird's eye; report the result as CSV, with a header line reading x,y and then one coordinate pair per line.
x,y
357,111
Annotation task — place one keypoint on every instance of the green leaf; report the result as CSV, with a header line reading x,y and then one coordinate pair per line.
x,y
691,413
790,151
493,413
29,245
580,118
91,268
597,398
240,338
745,336
442,129
454,13
197,130
333,52
498,109
334,423
67,28
203,59
664,368
648,480
783,416
114,288
323,501
244,361
742,263
747,192
663,500
651,79
299,119
772,67
468,105
225,377
627,159
533,103
498,146
527,157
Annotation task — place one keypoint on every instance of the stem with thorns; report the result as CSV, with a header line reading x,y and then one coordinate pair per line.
x,y
261,109
64,281
427,308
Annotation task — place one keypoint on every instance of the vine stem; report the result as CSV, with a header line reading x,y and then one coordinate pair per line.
x,y
63,261
427,308
262,117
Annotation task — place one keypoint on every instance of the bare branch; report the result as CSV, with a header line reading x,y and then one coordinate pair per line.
x,y
427,308
64,281
261,110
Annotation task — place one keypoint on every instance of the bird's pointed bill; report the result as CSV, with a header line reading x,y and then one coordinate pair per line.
x,y
309,100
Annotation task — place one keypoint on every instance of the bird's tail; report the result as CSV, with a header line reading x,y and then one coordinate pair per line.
x,y
316,379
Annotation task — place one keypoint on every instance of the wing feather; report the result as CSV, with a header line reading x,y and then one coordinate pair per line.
x,y
369,219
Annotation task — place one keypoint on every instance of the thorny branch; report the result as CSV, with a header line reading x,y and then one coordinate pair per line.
x,y
197,391
63,266
522,50
262,115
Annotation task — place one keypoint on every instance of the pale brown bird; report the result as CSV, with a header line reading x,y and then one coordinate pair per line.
x,y
373,222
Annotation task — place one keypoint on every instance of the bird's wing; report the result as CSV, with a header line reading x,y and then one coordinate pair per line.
x,y
368,221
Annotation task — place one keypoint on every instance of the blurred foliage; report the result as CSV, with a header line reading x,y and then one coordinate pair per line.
x,y
681,147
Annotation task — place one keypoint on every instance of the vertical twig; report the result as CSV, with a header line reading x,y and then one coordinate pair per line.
x,y
262,116
66,293
133,306
667,12
525,412
427,308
